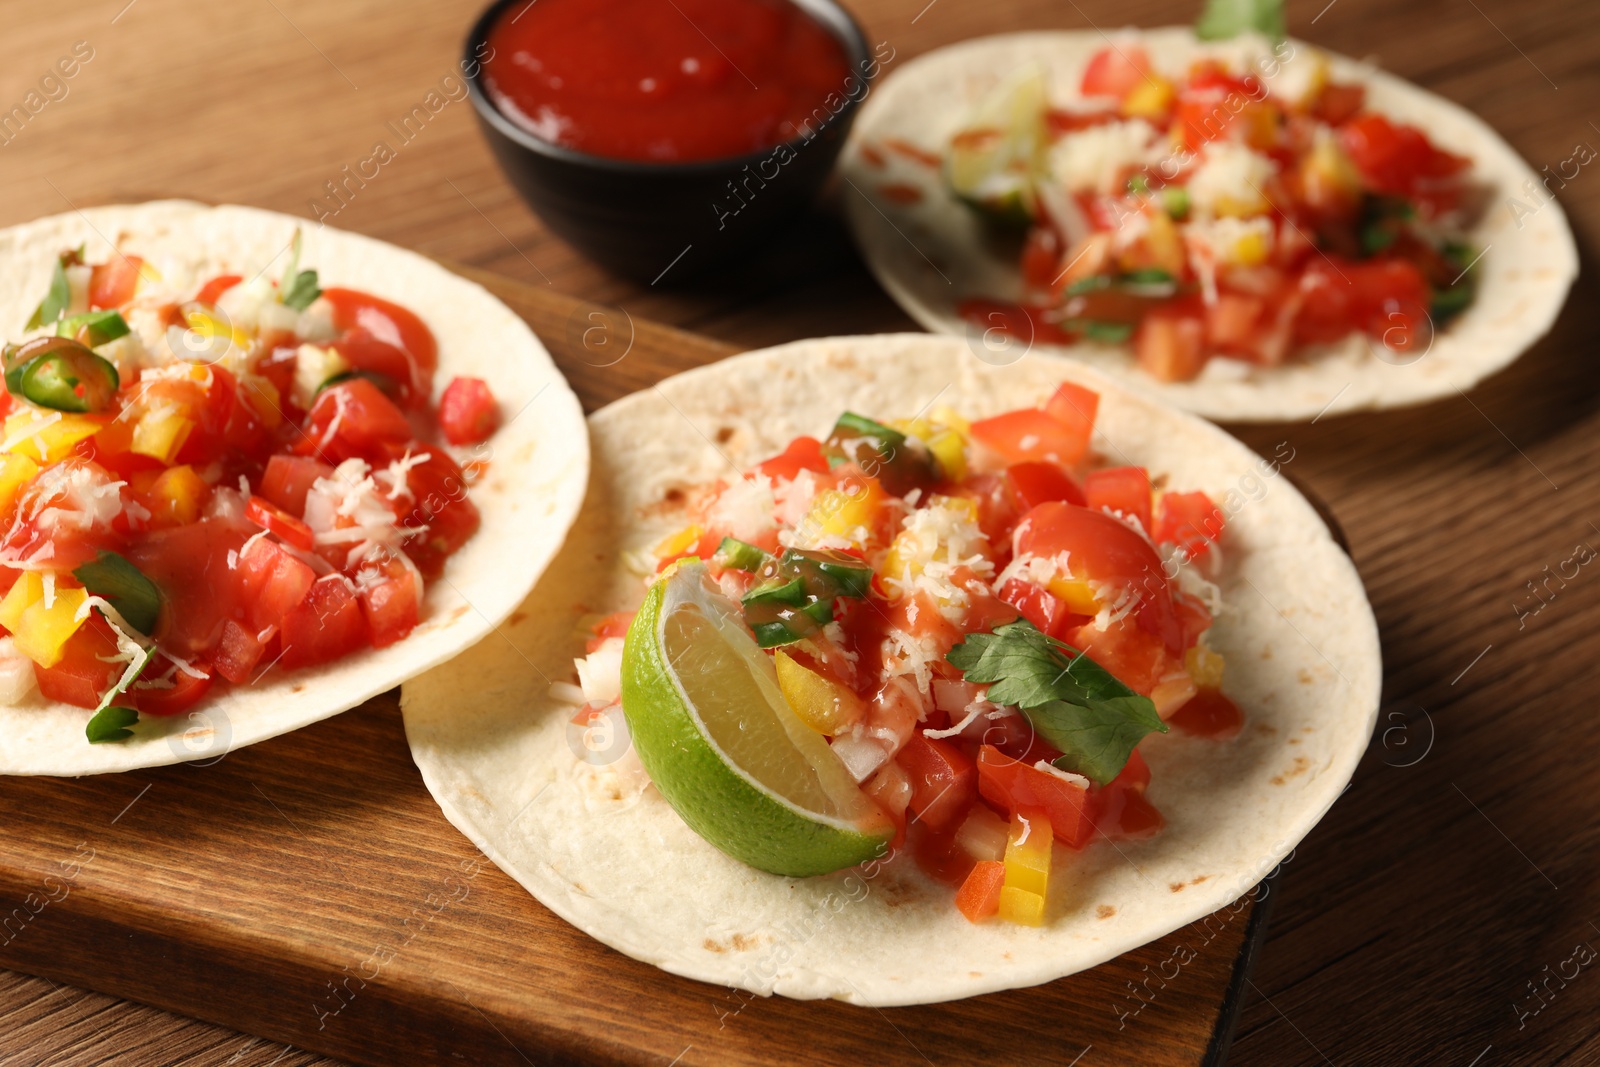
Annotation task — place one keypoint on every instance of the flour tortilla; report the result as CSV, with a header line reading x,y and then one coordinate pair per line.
x,y
538,466
1299,636
933,254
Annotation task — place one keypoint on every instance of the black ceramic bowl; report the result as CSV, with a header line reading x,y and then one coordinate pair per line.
x,y
669,221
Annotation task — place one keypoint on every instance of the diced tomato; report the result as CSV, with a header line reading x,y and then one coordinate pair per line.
x,y
979,896
943,780
288,479
984,610
353,418
391,325
468,413
439,490
803,454
1138,654
1190,521
1115,71
1041,257
1041,607
614,625
238,653
1032,484
997,509
1120,809
1339,102
273,582
186,691
1010,784
1193,618
937,852
189,564
1105,548
212,291
327,625
1169,343
87,668
391,605
1399,160
1121,489
269,516
1075,407
112,283
1032,435
1233,322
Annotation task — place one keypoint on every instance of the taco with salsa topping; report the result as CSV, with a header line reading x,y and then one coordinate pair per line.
x,y
251,474
1255,228
931,696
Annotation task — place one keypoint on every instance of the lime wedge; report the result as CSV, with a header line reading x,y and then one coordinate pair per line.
x,y
996,156
713,730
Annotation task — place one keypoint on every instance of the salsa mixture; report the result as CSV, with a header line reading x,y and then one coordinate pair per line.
x,y
981,622
196,487
1216,211
643,80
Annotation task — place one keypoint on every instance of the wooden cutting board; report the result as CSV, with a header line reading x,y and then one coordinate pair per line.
x,y
308,890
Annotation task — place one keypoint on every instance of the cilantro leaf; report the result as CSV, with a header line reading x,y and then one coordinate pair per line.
x,y
301,290
122,585
1222,19
111,724
56,298
1076,705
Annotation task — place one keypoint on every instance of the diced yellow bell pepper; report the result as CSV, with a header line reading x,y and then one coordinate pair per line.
x,y
1027,861
1159,247
209,326
263,398
821,703
1075,593
951,419
679,542
176,496
28,588
159,434
950,449
1204,666
38,631
846,512
1329,180
47,436
1151,99
16,471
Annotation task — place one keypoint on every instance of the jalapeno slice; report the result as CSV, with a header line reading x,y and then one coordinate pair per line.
x,y
61,374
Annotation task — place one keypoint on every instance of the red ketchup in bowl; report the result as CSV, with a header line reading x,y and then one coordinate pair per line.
x,y
660,81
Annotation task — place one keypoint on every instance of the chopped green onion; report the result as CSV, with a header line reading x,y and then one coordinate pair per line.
x,y
740,555
112,578
59,296
1175,199
111,724
61,374
93,328
1092,284
302,291
1148,276
1111,333
1450,302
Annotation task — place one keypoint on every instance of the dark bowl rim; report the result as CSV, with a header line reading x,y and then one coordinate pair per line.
x,y
842,25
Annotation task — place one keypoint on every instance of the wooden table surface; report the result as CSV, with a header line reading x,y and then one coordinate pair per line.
x,y
1442,912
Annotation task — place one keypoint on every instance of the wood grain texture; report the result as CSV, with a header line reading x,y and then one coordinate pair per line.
x,y
1415,917
314,881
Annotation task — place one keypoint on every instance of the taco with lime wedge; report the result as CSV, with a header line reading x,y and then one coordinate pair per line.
x,y
1253,227
931,696
252,473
